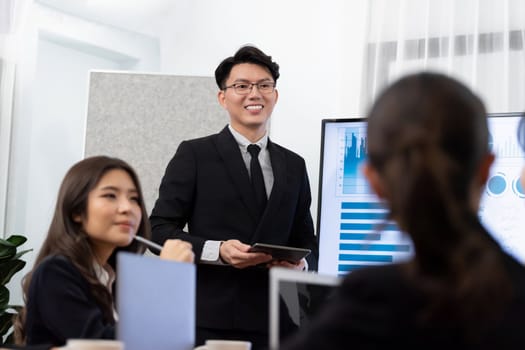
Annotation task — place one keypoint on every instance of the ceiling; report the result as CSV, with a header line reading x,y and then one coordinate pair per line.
x,y
134,15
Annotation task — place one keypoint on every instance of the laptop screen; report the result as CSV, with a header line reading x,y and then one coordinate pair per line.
x,y
295,298
155,303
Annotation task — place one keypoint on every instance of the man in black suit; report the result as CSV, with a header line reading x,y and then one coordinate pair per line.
x,y
211,185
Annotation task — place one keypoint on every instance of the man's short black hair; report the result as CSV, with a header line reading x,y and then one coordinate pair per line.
x,y
246,54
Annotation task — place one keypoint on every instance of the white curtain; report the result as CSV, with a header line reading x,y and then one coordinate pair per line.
x,y
480,42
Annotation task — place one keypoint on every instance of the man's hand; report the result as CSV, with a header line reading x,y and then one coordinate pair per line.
x,y
177,250
235,253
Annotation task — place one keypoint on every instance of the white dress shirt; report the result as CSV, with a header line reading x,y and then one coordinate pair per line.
x,y
210,251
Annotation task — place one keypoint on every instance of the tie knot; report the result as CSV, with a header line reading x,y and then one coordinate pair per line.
x,y
254,150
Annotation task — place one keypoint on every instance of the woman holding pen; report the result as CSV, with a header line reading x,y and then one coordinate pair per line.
x,y
99,211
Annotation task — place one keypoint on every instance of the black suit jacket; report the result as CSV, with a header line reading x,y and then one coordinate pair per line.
x,y
207,187
379,308
60,305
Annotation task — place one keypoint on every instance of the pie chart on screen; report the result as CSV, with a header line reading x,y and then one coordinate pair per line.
x,y
497,185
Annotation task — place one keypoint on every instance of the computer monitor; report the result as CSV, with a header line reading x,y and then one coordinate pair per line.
x,y
295,298
502,206
351,220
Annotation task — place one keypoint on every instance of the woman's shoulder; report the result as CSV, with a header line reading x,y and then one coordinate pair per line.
x,y
54,276
374,275
55,266
385,282
54,260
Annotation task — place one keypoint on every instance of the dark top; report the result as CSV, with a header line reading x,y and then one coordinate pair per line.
x,y
28,347
60,306
206,185
378,308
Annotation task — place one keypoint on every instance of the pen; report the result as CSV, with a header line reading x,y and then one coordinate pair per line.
x,y
149,243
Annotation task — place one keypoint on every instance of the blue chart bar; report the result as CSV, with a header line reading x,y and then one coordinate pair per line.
x,y
362,205
369,227
360,236
366,257
362,216
358,226
375,247
349,267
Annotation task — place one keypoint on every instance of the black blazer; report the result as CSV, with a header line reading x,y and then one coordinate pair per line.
x,y
60,306
207,187
378,308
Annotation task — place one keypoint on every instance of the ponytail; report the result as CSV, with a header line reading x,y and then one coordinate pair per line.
x,y
427,151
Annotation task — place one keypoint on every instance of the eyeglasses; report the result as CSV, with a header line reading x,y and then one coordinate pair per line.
x,y
265,87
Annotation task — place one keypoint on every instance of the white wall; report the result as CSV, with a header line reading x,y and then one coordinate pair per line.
x,y
50,108
317,43
58,125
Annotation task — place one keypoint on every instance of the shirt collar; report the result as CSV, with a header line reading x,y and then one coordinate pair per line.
x,y
243,142
105,274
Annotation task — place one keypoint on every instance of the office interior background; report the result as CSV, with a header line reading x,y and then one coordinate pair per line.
x,y
335,56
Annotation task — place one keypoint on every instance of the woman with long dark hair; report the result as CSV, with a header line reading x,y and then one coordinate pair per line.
x,y
429,160
99,210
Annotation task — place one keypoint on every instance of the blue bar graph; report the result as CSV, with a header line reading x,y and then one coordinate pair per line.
x,y
366,234
355,151
367,237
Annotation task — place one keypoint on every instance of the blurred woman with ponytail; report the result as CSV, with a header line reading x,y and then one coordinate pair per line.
x,y
429,160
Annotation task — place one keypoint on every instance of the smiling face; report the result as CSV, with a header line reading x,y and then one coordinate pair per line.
x,y
248,113
113,213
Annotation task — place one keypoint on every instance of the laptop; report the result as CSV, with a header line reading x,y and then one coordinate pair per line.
x,y
156,303
296,297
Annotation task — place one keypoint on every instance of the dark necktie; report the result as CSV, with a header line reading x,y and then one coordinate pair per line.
x,y
257,178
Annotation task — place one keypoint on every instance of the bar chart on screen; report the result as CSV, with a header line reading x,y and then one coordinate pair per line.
x,y
353,228
352,225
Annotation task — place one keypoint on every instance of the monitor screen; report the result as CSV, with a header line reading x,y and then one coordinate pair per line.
x,y
295,298
351,220
502,206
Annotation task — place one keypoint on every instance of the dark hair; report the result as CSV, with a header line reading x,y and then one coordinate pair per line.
x,y
66,236
246,54
427,137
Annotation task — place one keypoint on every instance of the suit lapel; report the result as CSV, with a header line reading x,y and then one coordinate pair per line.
x,y
232,158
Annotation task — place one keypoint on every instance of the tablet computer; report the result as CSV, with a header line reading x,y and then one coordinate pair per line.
x,y
280,252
